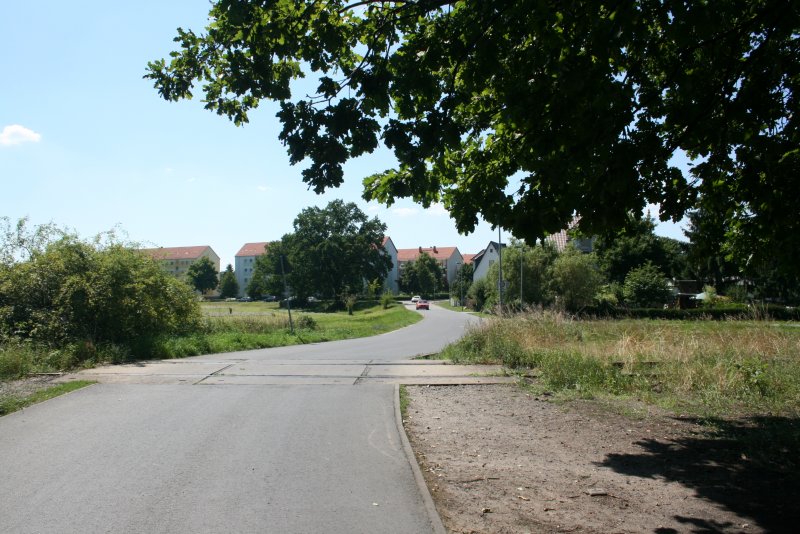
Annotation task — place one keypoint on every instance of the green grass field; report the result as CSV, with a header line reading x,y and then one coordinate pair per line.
x,y
234,326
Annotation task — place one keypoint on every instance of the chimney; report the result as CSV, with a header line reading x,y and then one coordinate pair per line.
x,y
434,250
420,250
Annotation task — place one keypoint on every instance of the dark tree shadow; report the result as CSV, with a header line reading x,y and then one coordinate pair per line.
x,y
751,467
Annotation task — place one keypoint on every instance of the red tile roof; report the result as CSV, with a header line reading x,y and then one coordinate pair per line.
x,y
175,253
437,253
468,257
253,249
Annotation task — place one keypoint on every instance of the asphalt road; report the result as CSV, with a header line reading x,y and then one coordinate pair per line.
x,y
221,458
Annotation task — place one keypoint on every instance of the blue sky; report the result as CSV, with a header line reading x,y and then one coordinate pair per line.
x,y
86,143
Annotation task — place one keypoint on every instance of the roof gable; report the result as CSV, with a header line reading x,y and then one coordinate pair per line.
x,y
253,249
437,253
175,253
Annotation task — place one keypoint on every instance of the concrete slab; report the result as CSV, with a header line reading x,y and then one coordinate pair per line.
x,y
263,380
175,367
432,370
270,369
132,379
438,380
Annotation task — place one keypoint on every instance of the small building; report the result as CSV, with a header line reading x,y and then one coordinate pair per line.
x,y
245,262
485,259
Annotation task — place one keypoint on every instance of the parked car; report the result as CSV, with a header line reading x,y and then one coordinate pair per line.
x,y
246,299
415,298
269,298
423,305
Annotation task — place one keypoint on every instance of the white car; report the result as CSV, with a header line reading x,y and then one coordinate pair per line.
x,y
415,299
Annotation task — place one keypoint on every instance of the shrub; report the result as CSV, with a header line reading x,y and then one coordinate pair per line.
x,y
646,287
574,278
73,292
306,322
386,300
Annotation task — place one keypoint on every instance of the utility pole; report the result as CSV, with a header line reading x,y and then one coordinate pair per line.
x,y
288,296
500,267
521,261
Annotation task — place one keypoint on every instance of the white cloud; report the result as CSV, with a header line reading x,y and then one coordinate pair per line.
x,y
264,188
437,210
404,212
16,134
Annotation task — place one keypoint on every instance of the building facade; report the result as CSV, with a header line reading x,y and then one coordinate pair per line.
x,y
245,262
176,260
392,282
485,259
449,259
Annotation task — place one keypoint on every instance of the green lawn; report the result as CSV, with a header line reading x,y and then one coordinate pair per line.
x,y
234,326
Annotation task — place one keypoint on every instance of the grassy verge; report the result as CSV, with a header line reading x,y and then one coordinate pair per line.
x,y
261,325
707,368
403,402
12,403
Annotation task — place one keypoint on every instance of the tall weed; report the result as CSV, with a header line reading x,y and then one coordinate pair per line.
x,y
717,365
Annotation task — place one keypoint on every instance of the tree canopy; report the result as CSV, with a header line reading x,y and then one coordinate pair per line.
x,y
424,276
524,112
333,250
202,275
228,285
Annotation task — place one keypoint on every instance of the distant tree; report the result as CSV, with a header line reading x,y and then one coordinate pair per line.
x,y
423,276
267,274
574,279
332,250
228,285
646,287
707,255
202,275
636,245
463,279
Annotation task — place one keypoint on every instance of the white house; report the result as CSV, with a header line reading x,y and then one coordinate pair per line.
x,y
245,261
484,259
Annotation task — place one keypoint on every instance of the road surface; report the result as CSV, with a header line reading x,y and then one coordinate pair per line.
x,y
218,457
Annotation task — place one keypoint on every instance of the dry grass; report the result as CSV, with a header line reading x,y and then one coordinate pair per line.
x,y
715,366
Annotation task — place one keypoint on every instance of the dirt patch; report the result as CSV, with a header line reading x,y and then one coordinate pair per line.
x,y
498,459
25,386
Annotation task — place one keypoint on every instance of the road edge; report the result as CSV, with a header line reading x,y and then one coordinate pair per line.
x,y
430,507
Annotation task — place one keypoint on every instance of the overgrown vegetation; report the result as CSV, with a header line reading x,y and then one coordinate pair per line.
x,y
710,368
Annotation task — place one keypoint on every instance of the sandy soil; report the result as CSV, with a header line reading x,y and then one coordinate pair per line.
x,y
498,459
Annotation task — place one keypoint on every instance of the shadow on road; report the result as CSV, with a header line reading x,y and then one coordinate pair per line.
x,y
751,467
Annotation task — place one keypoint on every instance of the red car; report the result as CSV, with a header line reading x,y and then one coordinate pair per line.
x,y
423,305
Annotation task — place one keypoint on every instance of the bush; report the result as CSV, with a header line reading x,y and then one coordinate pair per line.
x,y
76,293
646,287
574,278
306,322
386,300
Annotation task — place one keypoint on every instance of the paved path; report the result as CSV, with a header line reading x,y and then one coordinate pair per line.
x,y
297,439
